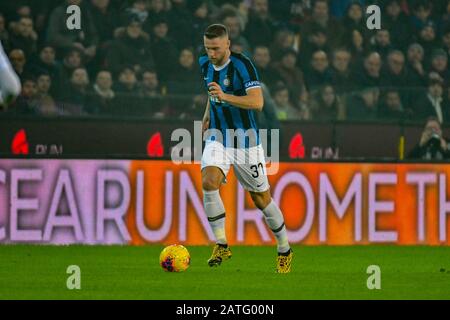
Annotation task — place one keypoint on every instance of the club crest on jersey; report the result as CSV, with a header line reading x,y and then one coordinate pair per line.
x,y
226,82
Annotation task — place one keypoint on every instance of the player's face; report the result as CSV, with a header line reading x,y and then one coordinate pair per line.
x,y
217,49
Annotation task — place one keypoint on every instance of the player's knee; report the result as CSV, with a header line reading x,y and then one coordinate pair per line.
x,y
210,184
261,199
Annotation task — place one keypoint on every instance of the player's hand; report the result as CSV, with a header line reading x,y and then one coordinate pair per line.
x,y
205,124
216,91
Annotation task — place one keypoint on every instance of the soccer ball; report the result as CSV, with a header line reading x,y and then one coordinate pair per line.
x,y
175,258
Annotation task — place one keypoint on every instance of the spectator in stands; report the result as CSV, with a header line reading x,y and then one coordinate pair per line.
x,y
262,60
25,103
187,69
320,17
105,19
439,65
444,20
326,105
155,94
231,21
131,47
381,43
260,26
164,50
150,85
72,60
427,38
446,40
283,41
20,10
19,63
194,110
391,107
432,145
356,43
238,48
319,73
77,95
187,81
103,96
46,63
180,29
354,19
421,14
200,21
24,37
431,103
290,14
316,41
267,119
127,83
363,105
45,104
157,12
370,74
137,9
284,109
415,65
84,39
339,8
395,74
396,21
302,27
291,75
340,70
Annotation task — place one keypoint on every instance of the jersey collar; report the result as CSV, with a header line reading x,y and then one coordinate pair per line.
x,y
222,66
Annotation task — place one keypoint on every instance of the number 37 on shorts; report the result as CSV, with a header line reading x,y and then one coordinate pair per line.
x,y
249,164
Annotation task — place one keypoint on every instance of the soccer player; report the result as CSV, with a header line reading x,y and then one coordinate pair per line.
x,y
9,81
234,94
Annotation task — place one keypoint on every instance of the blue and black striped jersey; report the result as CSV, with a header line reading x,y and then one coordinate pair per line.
x,y
235,77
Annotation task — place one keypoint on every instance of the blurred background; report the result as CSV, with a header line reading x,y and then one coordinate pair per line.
x,y
318,60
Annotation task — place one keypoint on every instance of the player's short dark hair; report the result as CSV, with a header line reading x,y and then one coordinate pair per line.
x,y
216,31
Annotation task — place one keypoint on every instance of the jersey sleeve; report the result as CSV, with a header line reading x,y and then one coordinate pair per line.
x,y
249,74
203,61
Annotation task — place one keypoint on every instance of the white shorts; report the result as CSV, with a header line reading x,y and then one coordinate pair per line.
x,y
249,164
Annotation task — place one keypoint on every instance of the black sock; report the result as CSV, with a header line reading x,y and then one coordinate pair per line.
x,y
284,253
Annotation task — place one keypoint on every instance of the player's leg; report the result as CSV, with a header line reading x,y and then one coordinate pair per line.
x,y
275,220
251,173
214,170
10,86
212,178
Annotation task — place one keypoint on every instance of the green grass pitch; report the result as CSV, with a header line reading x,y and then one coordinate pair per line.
x,y
323,272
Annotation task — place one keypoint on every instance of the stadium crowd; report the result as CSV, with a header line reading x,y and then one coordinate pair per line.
x,y
317,58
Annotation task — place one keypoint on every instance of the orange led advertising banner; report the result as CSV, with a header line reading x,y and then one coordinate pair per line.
x,y
144,202
323,203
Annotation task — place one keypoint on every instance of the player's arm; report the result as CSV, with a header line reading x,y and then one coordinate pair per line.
x,y
253,100
205,122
